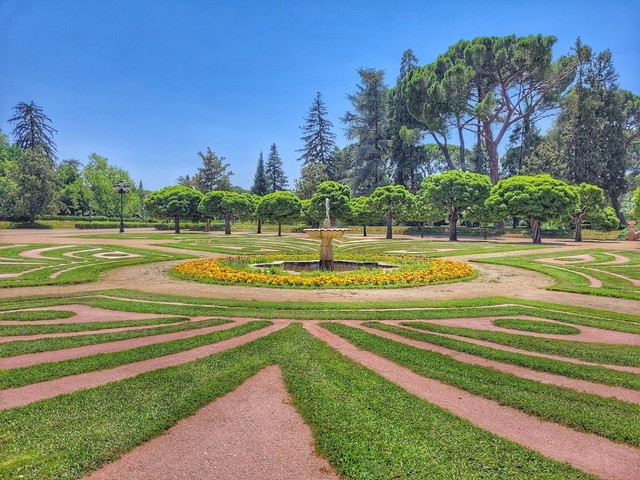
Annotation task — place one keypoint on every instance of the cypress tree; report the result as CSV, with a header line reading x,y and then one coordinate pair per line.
x,y
260,180
277,180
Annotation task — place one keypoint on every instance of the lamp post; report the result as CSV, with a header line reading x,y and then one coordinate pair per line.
x,y
121,188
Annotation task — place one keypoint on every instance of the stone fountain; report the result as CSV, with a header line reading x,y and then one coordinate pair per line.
x,y
326,236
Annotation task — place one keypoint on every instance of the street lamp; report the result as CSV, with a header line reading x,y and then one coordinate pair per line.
x,y
121,188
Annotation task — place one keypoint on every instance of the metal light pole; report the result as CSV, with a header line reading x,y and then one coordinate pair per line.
x,y
121,188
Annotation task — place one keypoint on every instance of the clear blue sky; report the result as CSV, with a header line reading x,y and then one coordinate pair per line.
x,y
149,83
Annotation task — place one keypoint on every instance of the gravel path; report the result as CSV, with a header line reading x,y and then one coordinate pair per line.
x,y
497,346
584,451
251,433
620,393
587,334
16,397
27,360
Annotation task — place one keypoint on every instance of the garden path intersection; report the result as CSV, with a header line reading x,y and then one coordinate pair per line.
x,y
530,369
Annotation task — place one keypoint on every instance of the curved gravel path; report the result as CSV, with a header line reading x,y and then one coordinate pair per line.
x,y
587,452
587,334
627,395
497,346
251,433
27,360
16,397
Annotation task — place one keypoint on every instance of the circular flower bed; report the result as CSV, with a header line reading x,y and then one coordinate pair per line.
x,y
411,271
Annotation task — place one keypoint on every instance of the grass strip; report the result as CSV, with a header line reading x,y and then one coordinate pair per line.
x,y
606,353
34,315
18,377
365,425
605,376
535,326
370,428
12,330
610,418
22,347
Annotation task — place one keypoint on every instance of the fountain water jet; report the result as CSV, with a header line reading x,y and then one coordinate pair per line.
x,y
326,236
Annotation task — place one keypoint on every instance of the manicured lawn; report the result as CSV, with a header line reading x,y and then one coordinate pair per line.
x,y
366,426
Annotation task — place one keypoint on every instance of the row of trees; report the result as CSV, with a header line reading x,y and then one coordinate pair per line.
x,y
459,112
447,196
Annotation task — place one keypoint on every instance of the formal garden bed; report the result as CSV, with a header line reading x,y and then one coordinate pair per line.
x,y
410,271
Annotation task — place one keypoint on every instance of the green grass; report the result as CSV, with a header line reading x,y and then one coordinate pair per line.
x,y
22,347
79,266
34,315
607,417
535,326
366,426
18,377
567,276
589,373
606,353
11,330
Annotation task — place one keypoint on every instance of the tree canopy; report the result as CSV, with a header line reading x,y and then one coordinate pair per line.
x,y
279,207
319,140
276,178
174,202
536,198
225,205
456,191
391,201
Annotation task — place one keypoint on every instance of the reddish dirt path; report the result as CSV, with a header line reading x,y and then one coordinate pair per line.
x,y
587,334
16,397
83,314
27,360
620,393
584,451
251,433
497,346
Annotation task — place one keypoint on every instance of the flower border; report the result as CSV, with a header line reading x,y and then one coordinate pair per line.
x,y
426,271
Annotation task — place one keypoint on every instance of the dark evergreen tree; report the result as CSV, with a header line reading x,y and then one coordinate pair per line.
x,y
277,180
404,131
260,180
32,130
591,127
368,125
319,140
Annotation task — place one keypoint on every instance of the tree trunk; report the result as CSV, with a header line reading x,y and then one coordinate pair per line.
x,y
227,225
463,163
364,230
279,229
536,233
176,223
207,225
484,231
615,203
492,153
578,223
453,225
389,226
421,229
259,226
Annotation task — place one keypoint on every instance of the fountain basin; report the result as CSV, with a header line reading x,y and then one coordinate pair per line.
x,y
297,266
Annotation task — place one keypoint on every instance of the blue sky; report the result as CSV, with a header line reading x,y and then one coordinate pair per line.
x,y
150,83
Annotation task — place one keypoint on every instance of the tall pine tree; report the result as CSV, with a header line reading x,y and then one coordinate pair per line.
x,y
368,125
277,180
319,141
591,126
260,180
405,132
32,130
